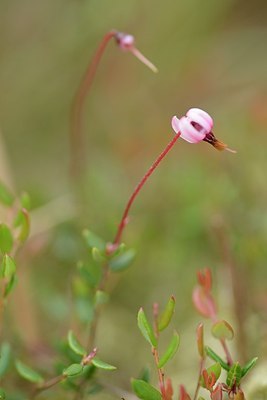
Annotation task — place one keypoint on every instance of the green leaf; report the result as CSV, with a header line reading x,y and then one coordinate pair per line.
x,y
6,197
75,345
123,261
119,250
98,255
101,297
102,364
2,394
8,266
145,374
145,391
6,239
167,314
85,308
5,354
10,285
28,373
73,370
171,350
211,354
222,330
248,366
200,340
146,328
234,375
93,240
90,272
23,221
25,200
215,369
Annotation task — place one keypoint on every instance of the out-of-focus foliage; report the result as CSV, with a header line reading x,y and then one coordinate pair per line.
x,y
200,206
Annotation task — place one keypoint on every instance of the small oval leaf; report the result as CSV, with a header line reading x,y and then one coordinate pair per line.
x,y
23,222
75,345
123,261
5,354
102,364
8,266
101,297
25,200
222,330
6,197
146,328
93,240
248,366
145,391
2,394
98,255
171,350
73,370
234,375
28,373
6,239
200,340
167,314
10,285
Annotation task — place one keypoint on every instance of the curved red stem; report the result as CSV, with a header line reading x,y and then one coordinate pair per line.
x,y
76,138
124,218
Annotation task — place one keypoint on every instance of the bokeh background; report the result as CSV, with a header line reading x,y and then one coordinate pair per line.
x,y
201,207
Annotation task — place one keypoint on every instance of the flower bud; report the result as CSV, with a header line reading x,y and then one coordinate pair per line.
x,y
124,40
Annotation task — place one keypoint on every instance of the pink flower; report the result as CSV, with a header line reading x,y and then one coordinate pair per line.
x,y
127,43
124,40
196,126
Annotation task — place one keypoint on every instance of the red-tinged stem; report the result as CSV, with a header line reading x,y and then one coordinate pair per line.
x,y
76,138
160,373
227,352
201,365
224,345
48,384
124,218
155,351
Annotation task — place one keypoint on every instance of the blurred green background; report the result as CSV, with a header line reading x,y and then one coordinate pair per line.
x,y
201,208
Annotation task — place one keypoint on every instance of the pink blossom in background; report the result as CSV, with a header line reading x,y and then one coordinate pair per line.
x,y
127,43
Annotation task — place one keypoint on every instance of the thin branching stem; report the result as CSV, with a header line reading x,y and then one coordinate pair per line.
x,y
48,384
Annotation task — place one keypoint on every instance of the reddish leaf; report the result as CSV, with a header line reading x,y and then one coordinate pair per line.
x,y
217,393
169,389
204,303
205,279
183,394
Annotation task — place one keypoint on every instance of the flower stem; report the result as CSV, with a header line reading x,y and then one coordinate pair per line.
x,y
149,172
155,352
48,384
76,138
201,365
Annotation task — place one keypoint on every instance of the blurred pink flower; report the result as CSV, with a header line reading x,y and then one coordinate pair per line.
x,y
127,43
